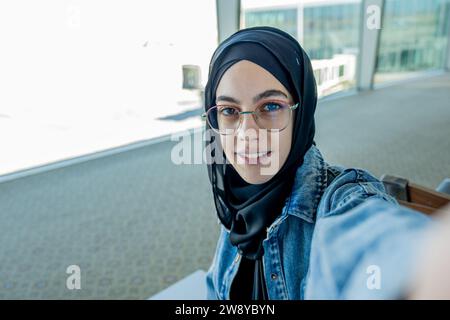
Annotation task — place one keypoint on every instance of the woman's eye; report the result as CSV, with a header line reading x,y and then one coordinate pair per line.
x,y
271,107
228,112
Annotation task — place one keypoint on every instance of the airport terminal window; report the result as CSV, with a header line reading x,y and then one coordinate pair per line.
x,y
84,76
284,19
413,38
328,32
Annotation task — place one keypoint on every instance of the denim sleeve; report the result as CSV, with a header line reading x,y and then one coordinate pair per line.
x,y
364,243
211,290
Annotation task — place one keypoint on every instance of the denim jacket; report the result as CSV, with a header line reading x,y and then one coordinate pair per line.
x,y
347,239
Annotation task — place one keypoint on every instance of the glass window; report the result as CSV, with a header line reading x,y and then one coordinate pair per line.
x,y
413,38
82,76
284,19
329,33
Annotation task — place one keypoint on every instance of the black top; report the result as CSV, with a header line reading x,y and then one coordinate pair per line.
x,y
245,286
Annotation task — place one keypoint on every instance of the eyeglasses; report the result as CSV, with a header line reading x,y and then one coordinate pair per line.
x,y
273,115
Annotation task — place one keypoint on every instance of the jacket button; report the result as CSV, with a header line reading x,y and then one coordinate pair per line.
x,y
274,276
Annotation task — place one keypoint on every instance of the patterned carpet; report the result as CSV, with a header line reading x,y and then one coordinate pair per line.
x,y
135,223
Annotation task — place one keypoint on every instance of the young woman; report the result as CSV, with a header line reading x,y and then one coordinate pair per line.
x,y
292,226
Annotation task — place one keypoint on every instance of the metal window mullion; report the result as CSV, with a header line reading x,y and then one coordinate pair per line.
x,y
368,47
228,17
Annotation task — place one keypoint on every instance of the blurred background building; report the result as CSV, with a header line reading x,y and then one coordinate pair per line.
x,y
413,38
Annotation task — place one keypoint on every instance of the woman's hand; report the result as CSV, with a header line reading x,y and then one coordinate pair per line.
x,y
432,280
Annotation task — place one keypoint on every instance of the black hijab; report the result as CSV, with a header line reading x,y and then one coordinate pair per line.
x,y
246,209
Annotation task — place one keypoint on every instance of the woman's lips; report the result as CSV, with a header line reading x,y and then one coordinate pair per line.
x,y
253,158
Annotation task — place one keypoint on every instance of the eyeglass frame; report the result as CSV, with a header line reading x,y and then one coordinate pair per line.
x,y
291,108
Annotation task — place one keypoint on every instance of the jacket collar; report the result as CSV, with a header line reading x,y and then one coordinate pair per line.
x,y
309,184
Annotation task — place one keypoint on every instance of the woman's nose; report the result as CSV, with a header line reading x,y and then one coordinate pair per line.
x,y
248,128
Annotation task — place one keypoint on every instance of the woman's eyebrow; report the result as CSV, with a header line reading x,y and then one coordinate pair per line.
x,y
262,95
228,99
269,93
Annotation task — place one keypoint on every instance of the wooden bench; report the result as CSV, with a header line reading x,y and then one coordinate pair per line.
x,y
414,196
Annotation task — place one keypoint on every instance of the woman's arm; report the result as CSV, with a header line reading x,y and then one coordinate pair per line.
x,y
211,290
364,244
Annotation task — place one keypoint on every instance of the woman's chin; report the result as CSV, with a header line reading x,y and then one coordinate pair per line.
x,y
253,175
259,171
